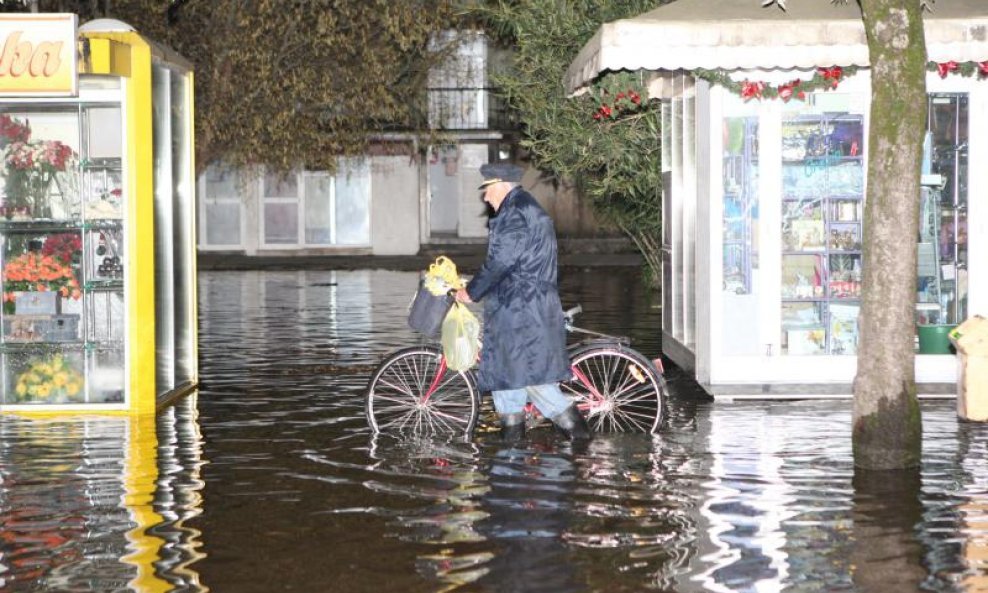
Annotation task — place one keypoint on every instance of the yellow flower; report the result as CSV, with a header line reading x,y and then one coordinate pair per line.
x,y
44,390
72,388
59,379
21,388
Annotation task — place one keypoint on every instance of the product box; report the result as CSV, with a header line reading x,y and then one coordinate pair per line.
x,y
41,328
37,303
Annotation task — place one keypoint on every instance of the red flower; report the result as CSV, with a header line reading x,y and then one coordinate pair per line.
x,y
751,89
945,68
635,98
983,68
12,130
63,246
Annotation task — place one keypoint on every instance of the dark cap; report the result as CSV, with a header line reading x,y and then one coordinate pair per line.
x,y
497,172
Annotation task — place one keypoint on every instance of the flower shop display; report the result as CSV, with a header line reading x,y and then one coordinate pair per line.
x,y
36,173
107,207
65,247
37,273
49,379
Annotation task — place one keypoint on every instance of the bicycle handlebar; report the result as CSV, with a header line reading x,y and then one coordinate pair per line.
x,y
569,314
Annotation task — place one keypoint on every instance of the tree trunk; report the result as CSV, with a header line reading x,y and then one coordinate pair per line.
x,y
887,429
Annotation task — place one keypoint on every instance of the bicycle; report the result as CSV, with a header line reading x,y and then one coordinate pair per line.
x,y
616,387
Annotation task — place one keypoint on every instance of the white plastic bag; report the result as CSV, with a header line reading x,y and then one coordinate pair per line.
x,y
460,338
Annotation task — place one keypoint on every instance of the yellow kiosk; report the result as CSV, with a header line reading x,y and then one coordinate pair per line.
x,y
96,218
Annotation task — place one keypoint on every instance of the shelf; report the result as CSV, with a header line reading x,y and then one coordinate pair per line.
x,y
56,226
823,159
103,285
76,346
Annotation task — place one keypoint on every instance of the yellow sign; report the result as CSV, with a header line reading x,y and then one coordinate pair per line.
x,y
38,55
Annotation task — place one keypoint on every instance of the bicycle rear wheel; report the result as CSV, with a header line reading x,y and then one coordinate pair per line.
x,y
617,389
412,391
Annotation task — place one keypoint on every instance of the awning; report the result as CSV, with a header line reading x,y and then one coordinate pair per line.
x,y
740,34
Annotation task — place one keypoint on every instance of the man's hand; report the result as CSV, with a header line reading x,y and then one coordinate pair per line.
x,y
462,296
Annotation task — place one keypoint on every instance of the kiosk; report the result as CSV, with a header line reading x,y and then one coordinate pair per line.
x,y
96,218
765,116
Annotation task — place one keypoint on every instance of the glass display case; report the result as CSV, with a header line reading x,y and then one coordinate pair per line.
x,y
740,202
823,191
942,273
97,248
62,255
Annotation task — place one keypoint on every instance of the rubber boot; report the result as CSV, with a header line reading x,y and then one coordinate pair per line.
x,y
512,427
572,424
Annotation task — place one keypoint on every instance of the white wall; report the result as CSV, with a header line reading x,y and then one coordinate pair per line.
x,y
473,221
394,205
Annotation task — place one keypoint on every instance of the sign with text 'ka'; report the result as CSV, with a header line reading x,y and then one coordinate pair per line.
x,y
38,55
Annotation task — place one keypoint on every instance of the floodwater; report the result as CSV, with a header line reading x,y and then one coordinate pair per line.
x,y
268,479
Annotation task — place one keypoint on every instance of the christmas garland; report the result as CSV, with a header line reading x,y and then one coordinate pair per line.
x,y
823,79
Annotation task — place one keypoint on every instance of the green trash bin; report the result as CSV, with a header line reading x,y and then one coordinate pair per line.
x,y
935,339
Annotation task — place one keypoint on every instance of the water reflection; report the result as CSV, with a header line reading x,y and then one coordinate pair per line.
x,y
78,506
886,552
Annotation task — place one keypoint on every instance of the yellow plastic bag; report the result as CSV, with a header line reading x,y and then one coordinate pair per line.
x,y
442,277
460,338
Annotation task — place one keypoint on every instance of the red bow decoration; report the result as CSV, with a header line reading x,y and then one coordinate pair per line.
x,y
751,89
787,90
832,74
945,68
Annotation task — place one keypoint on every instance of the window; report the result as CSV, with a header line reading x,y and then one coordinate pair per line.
x,y
316,208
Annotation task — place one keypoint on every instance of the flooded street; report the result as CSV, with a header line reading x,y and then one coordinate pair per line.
x,y
269,479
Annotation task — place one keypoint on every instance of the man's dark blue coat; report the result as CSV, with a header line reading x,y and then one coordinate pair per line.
x,y
524,332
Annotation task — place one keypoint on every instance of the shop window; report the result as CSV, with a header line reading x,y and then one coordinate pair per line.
x,y
822,195
942,250
740,232
62,240
740,215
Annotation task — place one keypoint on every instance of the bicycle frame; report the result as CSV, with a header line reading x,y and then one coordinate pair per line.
x,y
597,338
440,371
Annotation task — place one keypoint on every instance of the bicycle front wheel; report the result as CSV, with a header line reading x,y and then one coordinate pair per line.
x,y
617,389
413,392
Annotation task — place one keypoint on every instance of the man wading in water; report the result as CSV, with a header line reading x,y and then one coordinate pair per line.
x,y
524,353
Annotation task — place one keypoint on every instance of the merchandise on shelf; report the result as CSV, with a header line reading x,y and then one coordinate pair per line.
x,y
823,189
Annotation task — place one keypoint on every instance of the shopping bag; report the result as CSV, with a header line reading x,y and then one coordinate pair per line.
x,y
441,276
432,300
428,311
460,338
